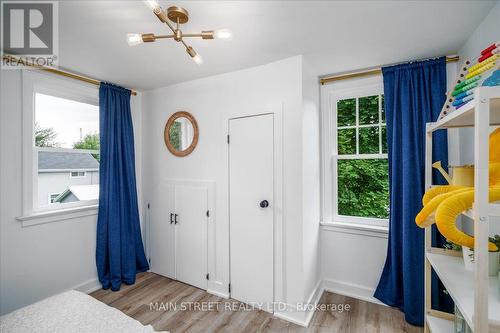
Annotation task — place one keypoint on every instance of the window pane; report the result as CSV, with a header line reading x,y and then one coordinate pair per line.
x,y
65,123
363,188
368,110
346,141
346,112
384,140
369,140
71,125
383,109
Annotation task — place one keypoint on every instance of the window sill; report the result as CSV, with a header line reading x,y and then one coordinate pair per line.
x,y
356,228
57,215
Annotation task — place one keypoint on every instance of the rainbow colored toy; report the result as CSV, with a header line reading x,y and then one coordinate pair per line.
x,y
471,76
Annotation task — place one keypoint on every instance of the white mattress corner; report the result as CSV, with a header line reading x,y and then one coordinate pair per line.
x,y
71,311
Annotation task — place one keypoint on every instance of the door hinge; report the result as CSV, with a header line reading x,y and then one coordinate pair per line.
x,y
228,139
229,288
208,276
148,205
208,213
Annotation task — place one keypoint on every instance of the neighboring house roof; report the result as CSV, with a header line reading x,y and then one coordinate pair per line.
x,y
81,192
66,161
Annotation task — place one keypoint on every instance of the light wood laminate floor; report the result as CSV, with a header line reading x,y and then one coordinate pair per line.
x,y
135,300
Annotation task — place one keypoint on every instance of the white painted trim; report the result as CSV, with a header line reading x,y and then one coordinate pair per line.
x,y
67,150
359,220
218,293
302,318
88,286
356,229
361,157
351,290
57,215
65,170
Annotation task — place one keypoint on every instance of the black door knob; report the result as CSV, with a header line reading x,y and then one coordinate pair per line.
x,y
264,204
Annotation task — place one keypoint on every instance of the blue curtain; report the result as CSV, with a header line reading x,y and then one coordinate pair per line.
x,y
414,94
119,251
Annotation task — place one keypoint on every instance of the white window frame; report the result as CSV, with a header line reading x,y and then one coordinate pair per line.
x,y
33,83
330,94
78,174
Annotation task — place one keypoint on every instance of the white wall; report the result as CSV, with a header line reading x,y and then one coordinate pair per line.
x,y
352,260
212,101
310,176
41,260
486,33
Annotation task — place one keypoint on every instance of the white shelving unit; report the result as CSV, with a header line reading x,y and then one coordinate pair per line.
x,y
474,293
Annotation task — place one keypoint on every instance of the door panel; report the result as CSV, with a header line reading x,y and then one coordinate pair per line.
x,y
191,235
162,231
251,152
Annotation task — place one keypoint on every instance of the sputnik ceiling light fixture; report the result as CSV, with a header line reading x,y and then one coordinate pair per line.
x,y
178,16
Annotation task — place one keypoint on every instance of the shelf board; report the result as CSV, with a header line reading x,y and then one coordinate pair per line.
x,y
495,209
440,325
464,117
460,284
494,212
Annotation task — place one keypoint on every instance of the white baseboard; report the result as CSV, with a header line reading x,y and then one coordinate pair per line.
x,y
218,288
302,317
218,293
89,286
351,290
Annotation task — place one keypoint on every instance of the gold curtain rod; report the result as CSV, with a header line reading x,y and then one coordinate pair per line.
x,y
368,72
10,58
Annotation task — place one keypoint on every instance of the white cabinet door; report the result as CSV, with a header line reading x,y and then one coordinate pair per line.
x,y
251,209
161,231
191,206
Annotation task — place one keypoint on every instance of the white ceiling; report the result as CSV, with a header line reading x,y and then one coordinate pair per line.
x,y
336,35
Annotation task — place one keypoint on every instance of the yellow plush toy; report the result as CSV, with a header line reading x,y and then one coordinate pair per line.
x,y
443,204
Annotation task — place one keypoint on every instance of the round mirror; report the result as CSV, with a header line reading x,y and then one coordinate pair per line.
x,y
181,133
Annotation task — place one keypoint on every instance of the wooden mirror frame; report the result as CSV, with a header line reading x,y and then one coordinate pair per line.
x,y
166,133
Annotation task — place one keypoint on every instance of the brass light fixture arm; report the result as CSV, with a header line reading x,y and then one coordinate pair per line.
x,y
203,35
163,36
184,43
162,16
170,26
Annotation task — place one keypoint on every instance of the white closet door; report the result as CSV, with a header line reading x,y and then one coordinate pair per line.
x,y
251,153
161,232
191,205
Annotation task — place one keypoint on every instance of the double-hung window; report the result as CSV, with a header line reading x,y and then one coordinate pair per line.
x,y
60,144
357,188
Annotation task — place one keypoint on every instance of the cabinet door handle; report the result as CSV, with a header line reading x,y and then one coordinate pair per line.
x,y
176,218
171,218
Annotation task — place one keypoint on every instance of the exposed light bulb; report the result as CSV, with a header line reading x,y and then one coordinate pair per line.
x,y
198,59
134,39
223,34
195,56
153,4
